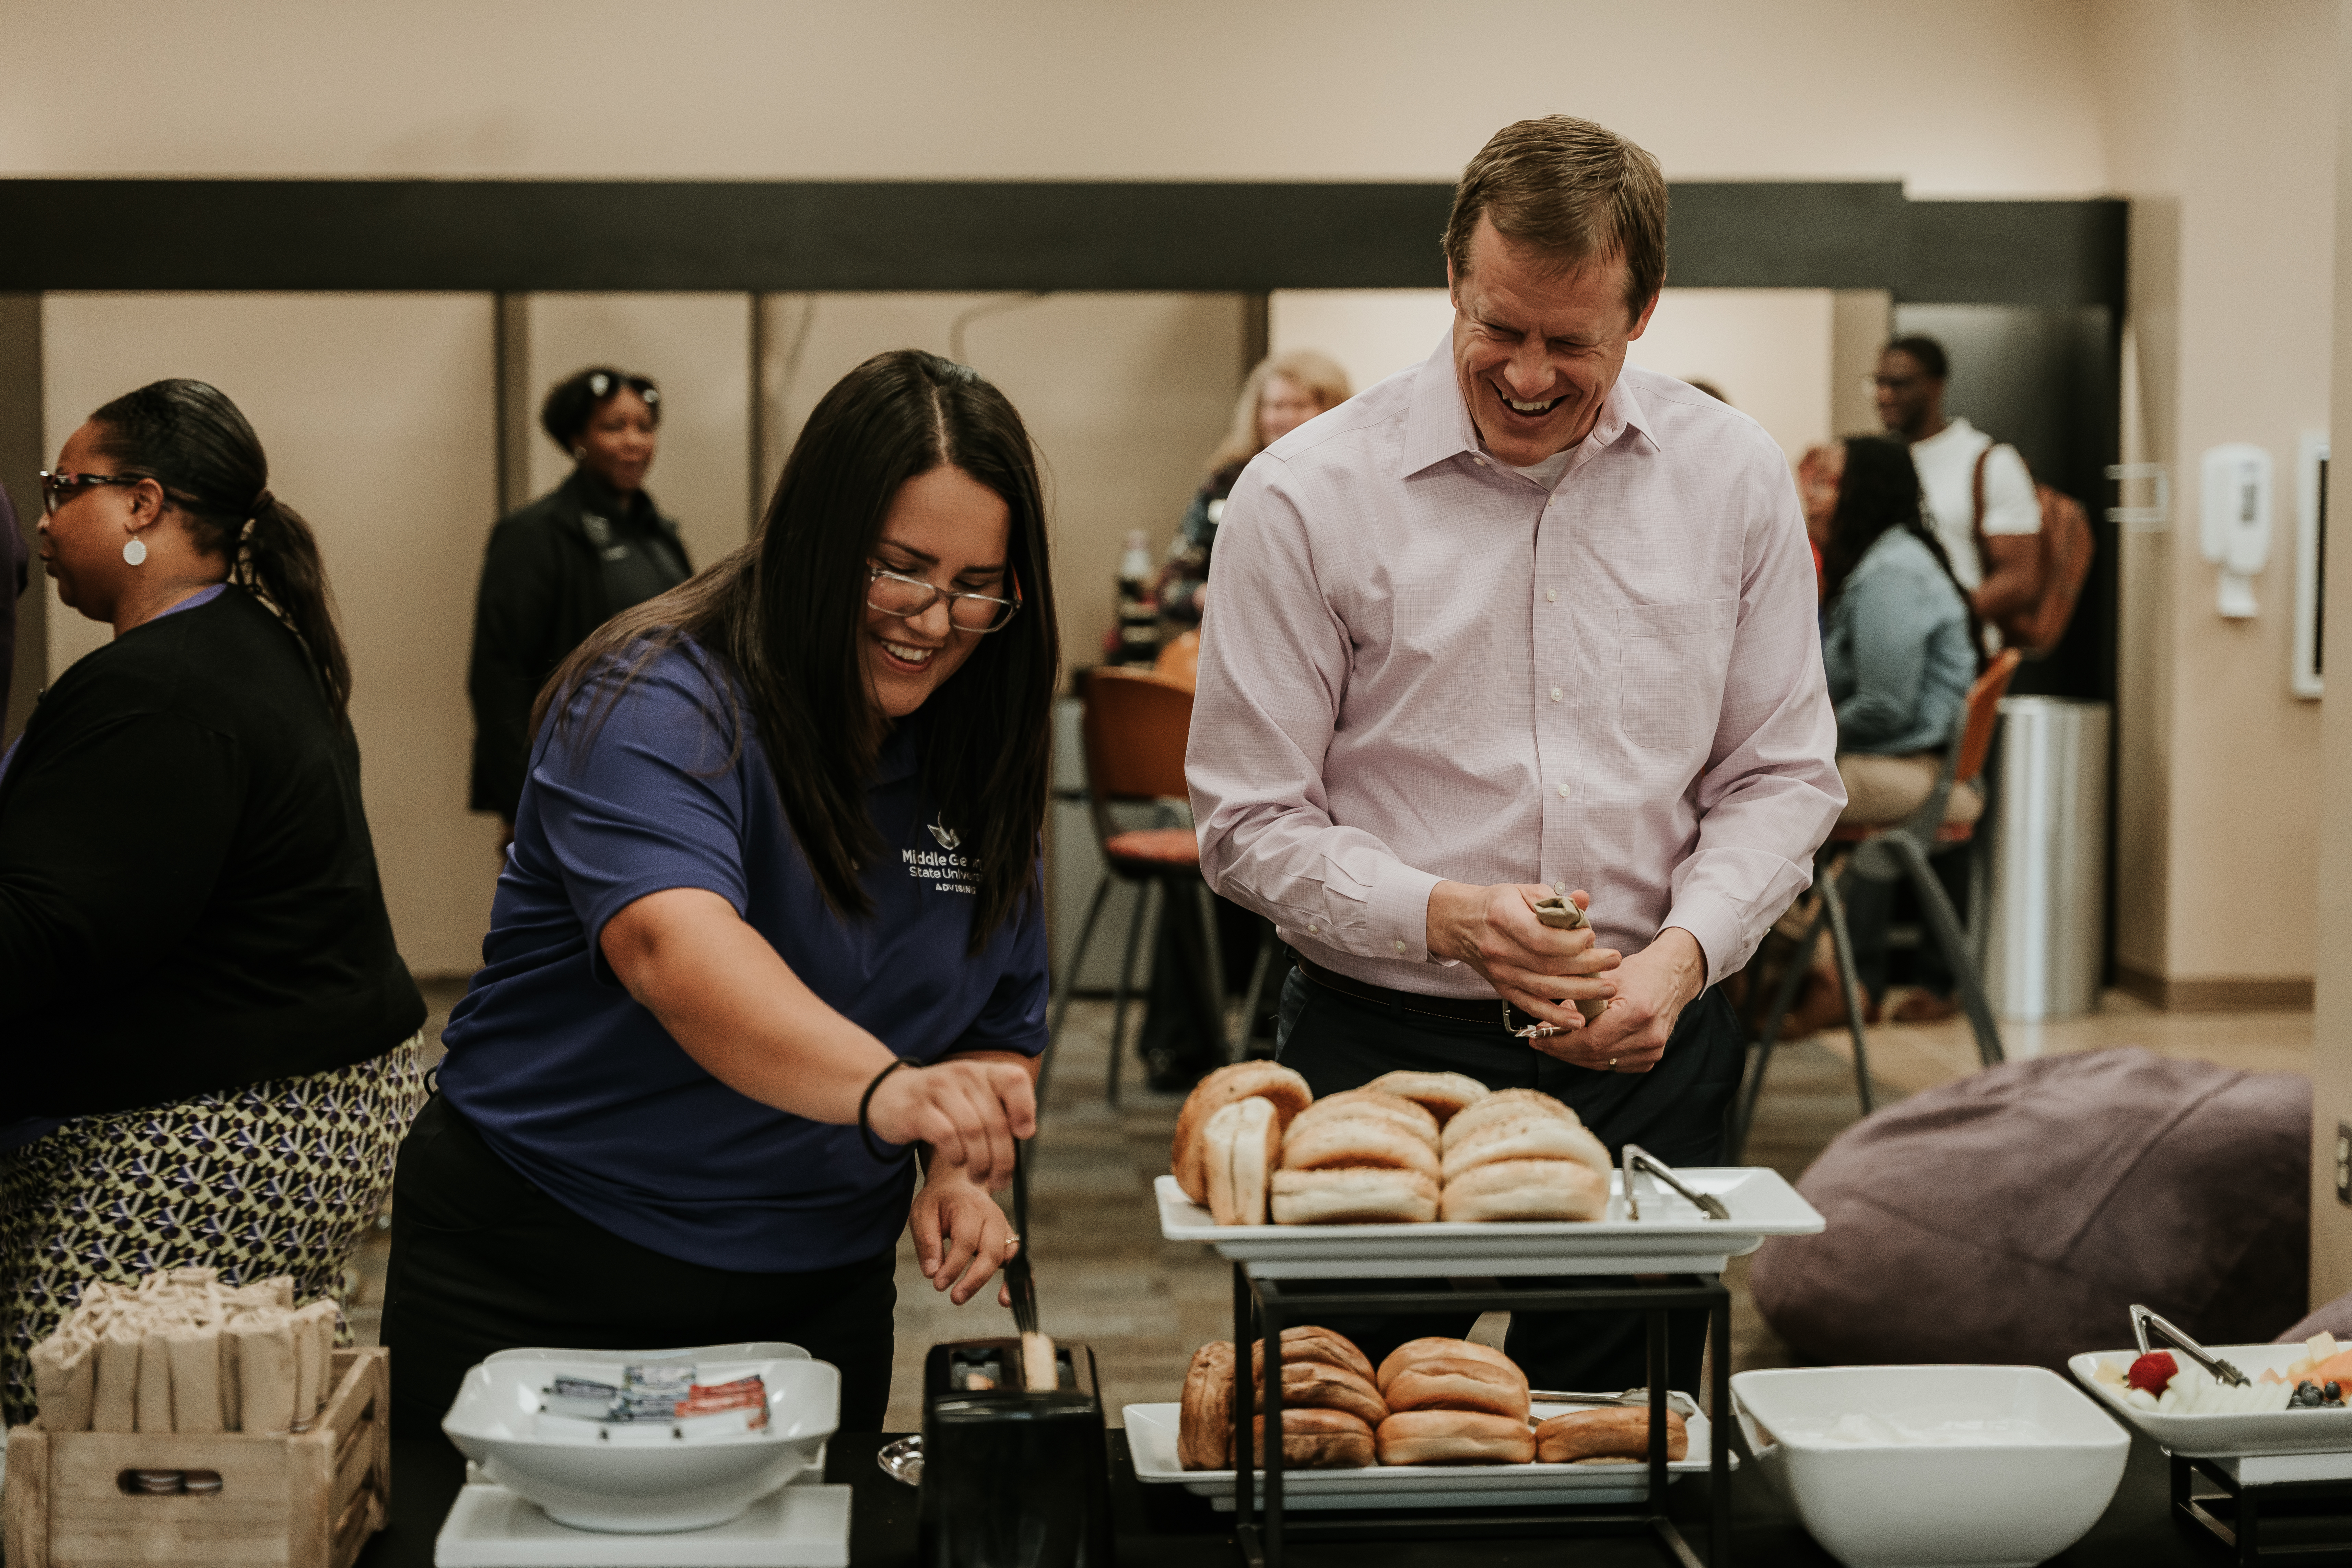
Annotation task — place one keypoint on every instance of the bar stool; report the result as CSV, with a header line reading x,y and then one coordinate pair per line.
x,y
1884,853
1134,725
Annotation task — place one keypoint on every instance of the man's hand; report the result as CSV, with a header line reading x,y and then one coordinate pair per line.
x,y
1653,986
961,1236
1493,929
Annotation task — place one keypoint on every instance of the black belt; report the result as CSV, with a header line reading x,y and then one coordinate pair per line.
x,y
1461,1009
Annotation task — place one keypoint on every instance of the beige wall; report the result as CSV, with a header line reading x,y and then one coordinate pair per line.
x,y
1984,99
376,414
2220,122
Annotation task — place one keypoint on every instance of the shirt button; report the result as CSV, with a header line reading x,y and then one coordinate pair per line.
x,y
1555,694
1564,792
1480,461
1551,595
1400,947
1561,888
1313,930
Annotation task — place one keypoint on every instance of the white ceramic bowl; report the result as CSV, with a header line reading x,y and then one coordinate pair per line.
x,y
643,1488
2034,1465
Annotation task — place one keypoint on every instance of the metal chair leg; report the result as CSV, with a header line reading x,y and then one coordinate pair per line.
x,y
1143,902
1849,986
1945,926
1213,969
1267,942
1752,1087
1068,984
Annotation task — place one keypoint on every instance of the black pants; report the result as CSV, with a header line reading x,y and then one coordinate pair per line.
x,y
1675,1111
483,1261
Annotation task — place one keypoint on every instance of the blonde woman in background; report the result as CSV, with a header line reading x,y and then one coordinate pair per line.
x,y
1284,392
1179,1043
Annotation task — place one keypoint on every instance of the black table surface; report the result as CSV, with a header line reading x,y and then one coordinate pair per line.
x,y
1166,1525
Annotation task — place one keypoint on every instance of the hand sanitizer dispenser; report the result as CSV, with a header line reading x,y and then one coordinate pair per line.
x,y
2234,524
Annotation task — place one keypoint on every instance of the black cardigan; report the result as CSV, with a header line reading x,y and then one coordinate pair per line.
x,y
188,893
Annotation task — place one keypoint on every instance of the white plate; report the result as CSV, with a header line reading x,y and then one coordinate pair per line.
x,y
1670,1236
802,1526
2225,1436
1151,1442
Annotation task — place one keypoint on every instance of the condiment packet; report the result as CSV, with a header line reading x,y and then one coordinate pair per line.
x,y
580,1398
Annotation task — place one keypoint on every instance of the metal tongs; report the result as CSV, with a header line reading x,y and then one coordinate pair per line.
x,y
2144,1320
1636,1157
1682,1404
1040,1366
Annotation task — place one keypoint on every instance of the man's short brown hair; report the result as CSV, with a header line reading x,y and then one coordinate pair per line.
x,y
1574,190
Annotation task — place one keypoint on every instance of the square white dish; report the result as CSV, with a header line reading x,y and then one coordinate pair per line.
x,y
1151,1444
801,1526
2226,1436
1670,1236
658,1484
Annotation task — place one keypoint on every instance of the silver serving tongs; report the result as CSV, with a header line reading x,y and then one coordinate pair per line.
x,y
1637,1157
1018,1279
1676,1401
2144,1320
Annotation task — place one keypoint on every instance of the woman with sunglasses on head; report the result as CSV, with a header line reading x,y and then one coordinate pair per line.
x,y
772,919
565,564
212,1047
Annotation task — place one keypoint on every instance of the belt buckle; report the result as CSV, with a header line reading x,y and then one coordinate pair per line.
x,y
1538,1030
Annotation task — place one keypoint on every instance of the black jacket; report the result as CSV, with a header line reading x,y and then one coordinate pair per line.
x,y
544,588
188,893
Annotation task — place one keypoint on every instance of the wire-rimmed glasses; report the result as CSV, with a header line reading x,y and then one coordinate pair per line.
x,y
894,593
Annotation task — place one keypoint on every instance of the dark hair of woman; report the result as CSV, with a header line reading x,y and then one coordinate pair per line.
x,y
1879,490
191,439
786,614
572,401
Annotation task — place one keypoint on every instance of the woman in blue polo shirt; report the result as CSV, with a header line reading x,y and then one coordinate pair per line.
x,y
757,871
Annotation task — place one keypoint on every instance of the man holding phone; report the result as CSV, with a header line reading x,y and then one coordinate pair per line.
x,y
1517,624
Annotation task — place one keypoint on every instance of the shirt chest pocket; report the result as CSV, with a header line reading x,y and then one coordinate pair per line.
x,y
1671,663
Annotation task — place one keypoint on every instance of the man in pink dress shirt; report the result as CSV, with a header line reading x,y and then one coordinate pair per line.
x,y
1518,622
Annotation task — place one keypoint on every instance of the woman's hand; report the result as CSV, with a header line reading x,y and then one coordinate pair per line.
x,y
969,1112
961,1236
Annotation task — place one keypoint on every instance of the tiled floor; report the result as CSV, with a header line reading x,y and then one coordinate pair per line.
x,y
1105,1275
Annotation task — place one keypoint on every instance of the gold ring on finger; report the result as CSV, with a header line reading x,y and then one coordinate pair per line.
x,y
1612,1064
1011,1241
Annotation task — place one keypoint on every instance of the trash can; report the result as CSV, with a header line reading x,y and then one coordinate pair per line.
x,y
2049,855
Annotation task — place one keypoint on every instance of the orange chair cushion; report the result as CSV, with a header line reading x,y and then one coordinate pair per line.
x,y
1168,848
1856,831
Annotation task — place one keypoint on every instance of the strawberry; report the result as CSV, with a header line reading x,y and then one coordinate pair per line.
x,y
2152,1371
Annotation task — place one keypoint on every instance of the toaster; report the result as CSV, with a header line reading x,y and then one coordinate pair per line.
x,y
1013,1476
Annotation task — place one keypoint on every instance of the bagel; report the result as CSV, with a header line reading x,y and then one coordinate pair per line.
x,y
1354,1194
1415,1119
1243,1144
1529,1136
1278,1085
1443,1094
1445,1382
1526,1190
1317,1440
1358,1139
1308,1342
1317,1386
1453,1437
1204,1420
1414,1351
1613,1432
1502,1106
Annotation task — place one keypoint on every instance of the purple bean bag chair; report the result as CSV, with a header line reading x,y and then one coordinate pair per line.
x,y
2013,1217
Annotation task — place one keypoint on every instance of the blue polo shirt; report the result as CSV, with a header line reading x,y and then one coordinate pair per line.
x,y
582,1091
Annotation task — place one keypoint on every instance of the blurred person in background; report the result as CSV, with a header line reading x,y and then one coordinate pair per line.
x,y
1178,1044
212,1046
1991,529
12,560
1900,647
565,564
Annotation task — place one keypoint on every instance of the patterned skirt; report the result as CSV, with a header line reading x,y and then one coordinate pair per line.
x,y
280,1177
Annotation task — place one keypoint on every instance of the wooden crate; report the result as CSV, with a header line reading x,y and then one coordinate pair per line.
x,y
305,1500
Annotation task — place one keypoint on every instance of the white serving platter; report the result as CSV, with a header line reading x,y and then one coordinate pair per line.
x,y
1671,1237
1152,1443
800,1526
2311,1432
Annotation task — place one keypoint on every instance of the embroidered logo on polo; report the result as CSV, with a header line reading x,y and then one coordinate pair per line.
x,y
944,869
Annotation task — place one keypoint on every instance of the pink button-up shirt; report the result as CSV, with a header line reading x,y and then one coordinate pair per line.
x,y
1417,665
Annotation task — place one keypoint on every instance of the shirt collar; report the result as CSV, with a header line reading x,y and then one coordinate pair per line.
x,y
1438,424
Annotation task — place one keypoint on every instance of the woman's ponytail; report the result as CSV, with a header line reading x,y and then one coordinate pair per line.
x,y
190,438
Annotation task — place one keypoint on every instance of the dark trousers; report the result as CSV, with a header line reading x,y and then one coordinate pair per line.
x,y
482,1260
1675,1111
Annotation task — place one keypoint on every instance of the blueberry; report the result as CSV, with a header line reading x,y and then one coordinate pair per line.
x,y
2334,1390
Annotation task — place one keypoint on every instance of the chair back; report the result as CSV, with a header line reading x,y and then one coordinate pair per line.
x,y
1983,708
1134,724
1180,659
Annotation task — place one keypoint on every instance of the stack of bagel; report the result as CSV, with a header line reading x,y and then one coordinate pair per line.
x,y
1454,1402
1331,1406
1518,1153
1364,1156
1229,1138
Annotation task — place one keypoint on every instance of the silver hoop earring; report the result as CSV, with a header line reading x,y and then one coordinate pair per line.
x,y
135,550
579,454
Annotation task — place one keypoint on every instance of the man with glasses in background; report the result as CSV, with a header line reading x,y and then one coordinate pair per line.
x,y
1518,623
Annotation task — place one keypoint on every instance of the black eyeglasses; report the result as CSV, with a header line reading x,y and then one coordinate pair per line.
x,y
896,595
58,488
602,386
